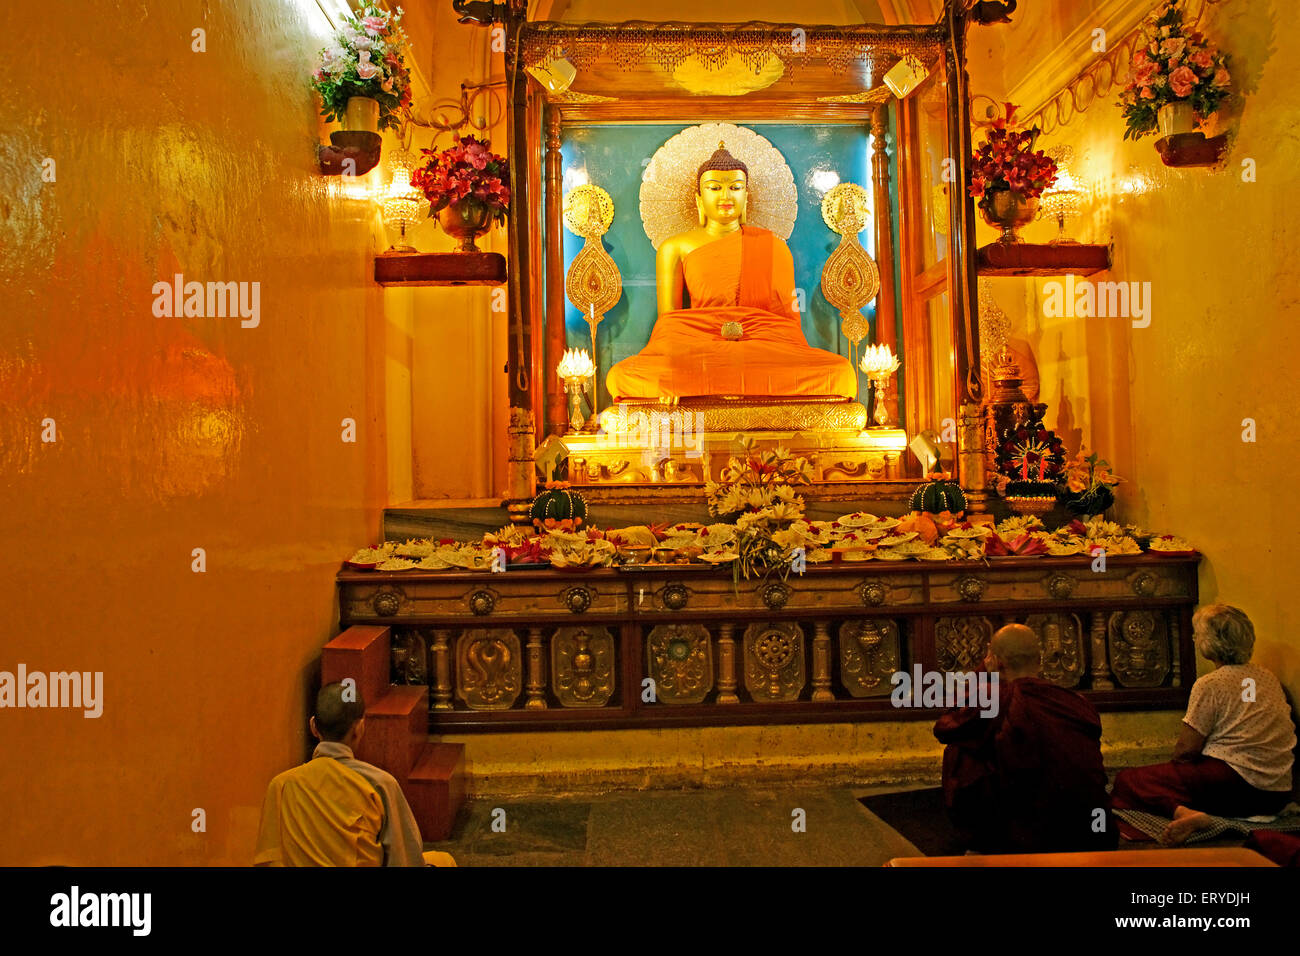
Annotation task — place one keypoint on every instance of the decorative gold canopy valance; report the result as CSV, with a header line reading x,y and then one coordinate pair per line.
x,y
668,45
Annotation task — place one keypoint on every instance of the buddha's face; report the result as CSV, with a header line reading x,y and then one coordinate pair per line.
x,y
723,196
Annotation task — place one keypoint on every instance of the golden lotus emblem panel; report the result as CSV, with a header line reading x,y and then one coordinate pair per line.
x,y
489,669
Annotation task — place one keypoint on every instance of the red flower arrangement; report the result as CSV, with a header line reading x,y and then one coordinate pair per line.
x,y
465,171
1007,160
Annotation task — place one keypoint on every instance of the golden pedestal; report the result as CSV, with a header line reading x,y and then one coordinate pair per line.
x,y
686,444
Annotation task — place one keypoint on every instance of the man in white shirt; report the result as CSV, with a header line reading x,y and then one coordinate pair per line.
x,y
1234,755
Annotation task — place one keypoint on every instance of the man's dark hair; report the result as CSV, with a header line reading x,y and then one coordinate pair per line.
x,y
334,715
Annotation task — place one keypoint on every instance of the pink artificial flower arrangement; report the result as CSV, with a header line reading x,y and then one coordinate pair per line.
x,y
365,59
466,170
1007,160
1171,65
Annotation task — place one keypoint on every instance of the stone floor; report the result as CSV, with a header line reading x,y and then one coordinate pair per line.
x,y
719,827
725,827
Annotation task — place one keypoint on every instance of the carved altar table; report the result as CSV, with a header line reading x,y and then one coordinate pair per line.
x,y
684,645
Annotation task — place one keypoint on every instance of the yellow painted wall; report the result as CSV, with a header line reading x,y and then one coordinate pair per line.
x,y
173,433
459,405
1165,404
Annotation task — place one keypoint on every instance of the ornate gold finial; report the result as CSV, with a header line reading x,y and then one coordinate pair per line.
x,y
850,278
593,283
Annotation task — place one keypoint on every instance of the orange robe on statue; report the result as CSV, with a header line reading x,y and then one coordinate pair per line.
x,y
747,277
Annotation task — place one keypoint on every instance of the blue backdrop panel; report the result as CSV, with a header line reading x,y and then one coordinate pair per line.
x,y
614,158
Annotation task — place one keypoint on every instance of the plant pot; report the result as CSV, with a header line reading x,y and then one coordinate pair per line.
x,y
466,221
362,114
1176,117
1008,211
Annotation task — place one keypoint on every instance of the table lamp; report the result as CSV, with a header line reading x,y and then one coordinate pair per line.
x,y
404,205
879,362
575,368
1064,198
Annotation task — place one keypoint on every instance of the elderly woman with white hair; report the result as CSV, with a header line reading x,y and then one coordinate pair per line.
x,y
1234,755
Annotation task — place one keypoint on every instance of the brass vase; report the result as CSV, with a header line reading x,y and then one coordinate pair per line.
x,y
1008,211
465,220
362,114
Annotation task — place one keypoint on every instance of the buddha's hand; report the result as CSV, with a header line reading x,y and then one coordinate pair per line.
x,y
732,331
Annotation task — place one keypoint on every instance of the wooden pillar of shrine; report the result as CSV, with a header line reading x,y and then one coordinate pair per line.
x,y
963,299
521,367
555,340
886,298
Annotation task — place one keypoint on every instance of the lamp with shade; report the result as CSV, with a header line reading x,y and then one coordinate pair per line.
x,y
404,206
1064,198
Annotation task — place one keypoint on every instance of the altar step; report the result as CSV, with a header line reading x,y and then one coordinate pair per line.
x,y
432,775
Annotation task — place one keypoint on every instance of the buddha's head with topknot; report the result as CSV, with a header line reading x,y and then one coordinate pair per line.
x,y
722,189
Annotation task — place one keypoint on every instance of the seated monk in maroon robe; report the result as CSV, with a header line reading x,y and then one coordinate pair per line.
x,y
1029,779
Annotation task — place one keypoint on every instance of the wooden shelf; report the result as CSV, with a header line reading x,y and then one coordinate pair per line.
x,y
440,268
1191,149
1029,259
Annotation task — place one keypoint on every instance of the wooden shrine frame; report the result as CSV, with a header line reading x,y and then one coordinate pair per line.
x,y
535,123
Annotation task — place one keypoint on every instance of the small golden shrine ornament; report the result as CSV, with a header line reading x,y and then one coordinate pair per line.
x,y
594,285
588,211
850,278
841,195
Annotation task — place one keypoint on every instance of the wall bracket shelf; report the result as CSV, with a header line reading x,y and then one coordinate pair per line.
x,y
1192,149
440,268
1030,259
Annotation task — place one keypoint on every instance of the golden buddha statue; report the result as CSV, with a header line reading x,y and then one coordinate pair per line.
x,y
728,322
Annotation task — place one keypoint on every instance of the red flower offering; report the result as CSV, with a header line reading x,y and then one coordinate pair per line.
x,y
466,170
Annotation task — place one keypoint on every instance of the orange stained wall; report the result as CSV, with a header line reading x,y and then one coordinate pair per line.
x,y
173,433
1166,403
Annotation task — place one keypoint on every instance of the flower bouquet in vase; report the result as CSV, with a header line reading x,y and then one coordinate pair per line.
x,y
1008,175
1176,77
757,493
468,188
1088,482
362,78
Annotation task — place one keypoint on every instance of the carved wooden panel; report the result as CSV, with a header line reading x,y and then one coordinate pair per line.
x,y
774,661
410,652
1061,637
582,666
680,660
489,669
869,654
489,595
1139,647
1007,582
962,642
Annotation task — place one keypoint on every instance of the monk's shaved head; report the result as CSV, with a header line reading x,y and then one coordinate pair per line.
x,y
337,711
1017,649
